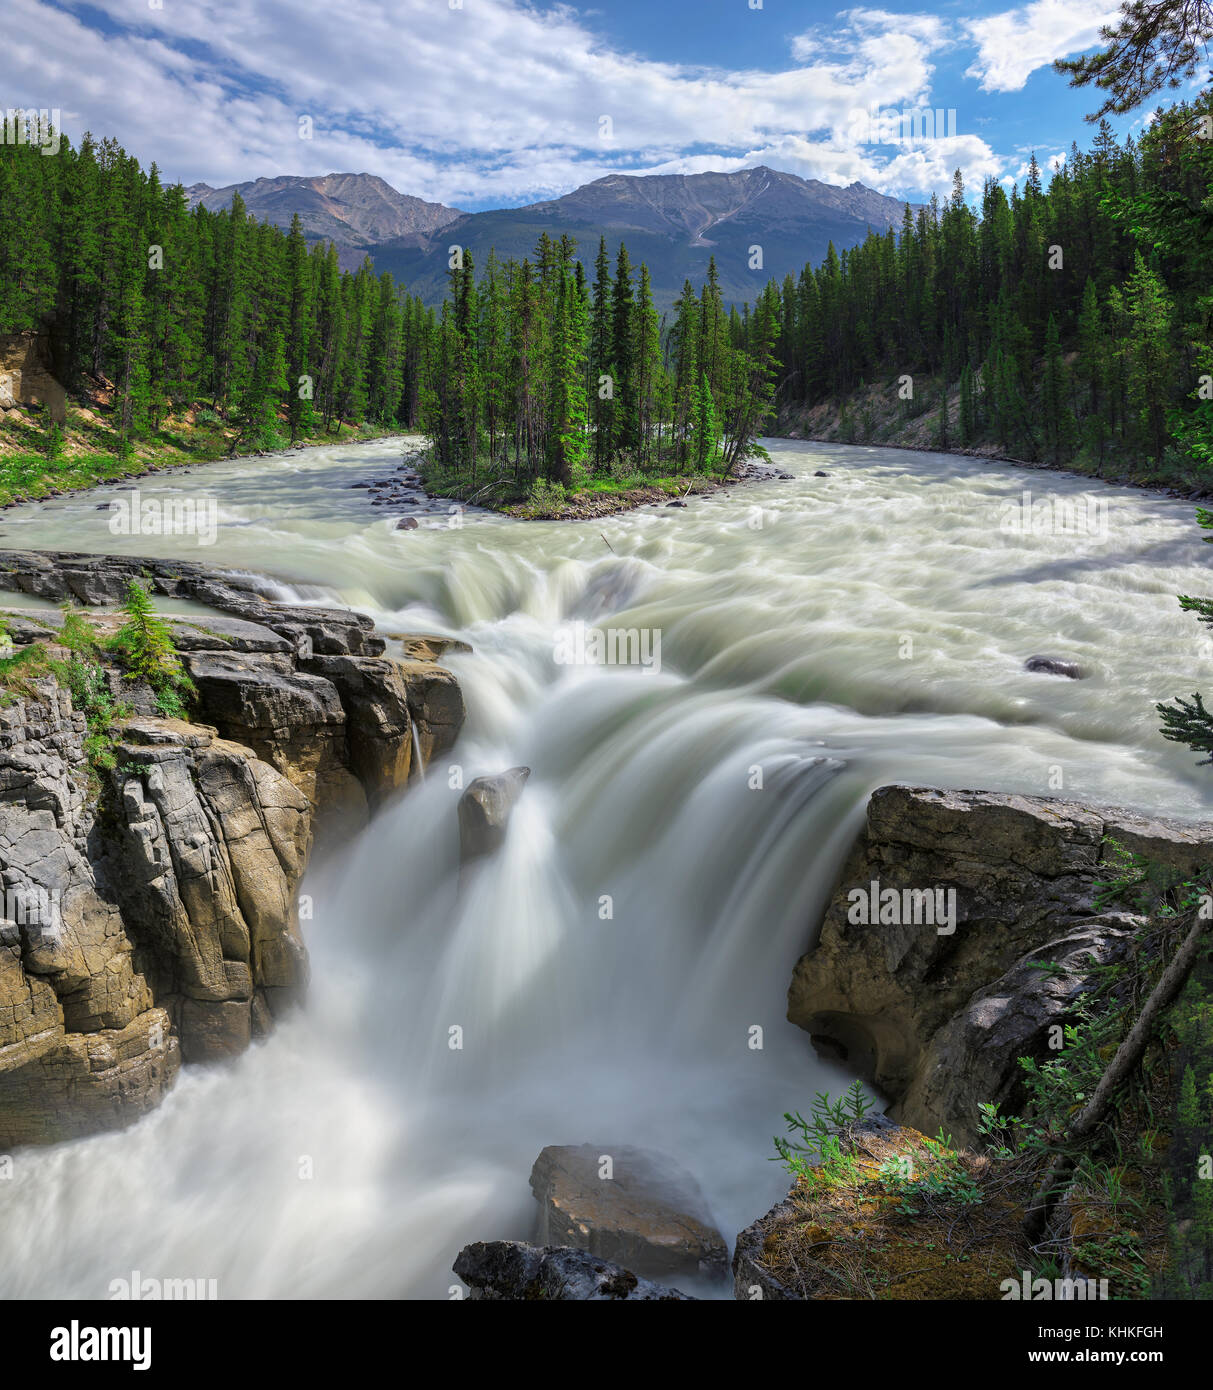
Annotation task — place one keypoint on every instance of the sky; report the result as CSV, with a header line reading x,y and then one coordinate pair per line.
x,y
495,103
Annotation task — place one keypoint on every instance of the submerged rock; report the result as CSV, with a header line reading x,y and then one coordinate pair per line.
x,y
648,1214
509,1270
485,809
1052,666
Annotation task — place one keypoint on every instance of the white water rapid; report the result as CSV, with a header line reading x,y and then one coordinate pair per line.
x,y
837,633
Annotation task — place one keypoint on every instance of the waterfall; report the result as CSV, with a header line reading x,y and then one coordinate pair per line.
x,y
418,756
617,973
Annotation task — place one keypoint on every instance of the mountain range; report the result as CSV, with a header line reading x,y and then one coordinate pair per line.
x,y
673,222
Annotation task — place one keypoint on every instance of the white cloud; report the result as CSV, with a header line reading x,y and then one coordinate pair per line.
x,y
1012,45
493,103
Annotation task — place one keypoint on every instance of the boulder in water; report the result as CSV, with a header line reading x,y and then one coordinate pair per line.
x,y
648,1214
424,646
484,812
407,523
510,1271
1052,666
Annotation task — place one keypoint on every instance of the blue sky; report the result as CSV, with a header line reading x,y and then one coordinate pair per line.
x,y
485,103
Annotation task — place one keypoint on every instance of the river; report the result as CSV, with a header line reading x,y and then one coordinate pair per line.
x,y
809,640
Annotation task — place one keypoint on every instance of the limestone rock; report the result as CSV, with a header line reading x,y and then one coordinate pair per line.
x,y
293,719
375,696
649,1215
484,812
221,633
152,917
428,647
435,706
936,1020
507,1270
27,377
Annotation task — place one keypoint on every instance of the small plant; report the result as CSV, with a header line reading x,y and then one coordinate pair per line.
x,y
943,1180
544,499
145,646
818,1145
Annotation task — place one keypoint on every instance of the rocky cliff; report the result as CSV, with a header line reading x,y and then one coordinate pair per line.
x,y
27,376
926,975
150,911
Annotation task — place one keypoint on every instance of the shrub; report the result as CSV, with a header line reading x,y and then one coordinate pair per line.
x,y
144,644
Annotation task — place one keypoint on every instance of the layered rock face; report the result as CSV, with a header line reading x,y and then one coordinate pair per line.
x,y
151,915
83,1044
925,975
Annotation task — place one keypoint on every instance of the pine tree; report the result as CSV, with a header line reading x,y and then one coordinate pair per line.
x,y
623,414
1057,418
145,645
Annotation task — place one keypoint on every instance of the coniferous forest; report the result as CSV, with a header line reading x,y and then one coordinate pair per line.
x,y
177,308
1067,324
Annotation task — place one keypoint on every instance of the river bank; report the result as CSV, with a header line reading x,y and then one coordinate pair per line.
x,y
875,416
86,452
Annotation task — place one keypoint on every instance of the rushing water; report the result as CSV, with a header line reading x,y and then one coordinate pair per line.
x,y
836,633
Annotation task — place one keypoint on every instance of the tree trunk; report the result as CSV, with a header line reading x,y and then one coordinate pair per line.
x,y
1128,1055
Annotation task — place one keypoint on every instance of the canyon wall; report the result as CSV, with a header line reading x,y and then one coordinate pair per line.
x,y
936,1013
150,912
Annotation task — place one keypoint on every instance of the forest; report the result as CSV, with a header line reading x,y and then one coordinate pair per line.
x,y
166,308
1060,324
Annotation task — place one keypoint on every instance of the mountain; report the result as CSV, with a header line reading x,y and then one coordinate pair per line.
x,y
355,211
674,222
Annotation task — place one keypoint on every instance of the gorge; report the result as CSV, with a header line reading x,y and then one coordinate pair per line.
x,y
678,838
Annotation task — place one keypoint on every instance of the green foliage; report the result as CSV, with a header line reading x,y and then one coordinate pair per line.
x,y
54,442
265,329
941,1181
1188,721
1095,361
1154,45
145,646
544,499
817,1143
81,674
535,375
